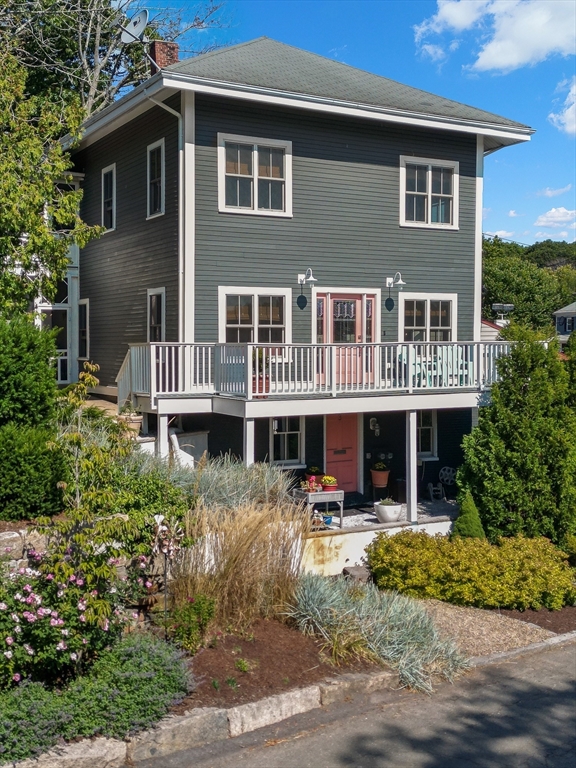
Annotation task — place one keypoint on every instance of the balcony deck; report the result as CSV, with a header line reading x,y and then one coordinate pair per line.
x,y
304,372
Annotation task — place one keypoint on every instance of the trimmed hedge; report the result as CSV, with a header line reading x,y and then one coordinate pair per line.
x,y
30,470
514,573
129,688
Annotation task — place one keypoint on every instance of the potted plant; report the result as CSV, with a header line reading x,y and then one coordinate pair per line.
x,y
387,510
313,471
380,474
329,483
310,485
131,418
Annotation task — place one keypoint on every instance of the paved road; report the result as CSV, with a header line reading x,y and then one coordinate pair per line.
x,y
517,714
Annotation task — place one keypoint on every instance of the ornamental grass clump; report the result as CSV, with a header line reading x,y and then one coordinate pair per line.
x,y
247,559
357,620
514,573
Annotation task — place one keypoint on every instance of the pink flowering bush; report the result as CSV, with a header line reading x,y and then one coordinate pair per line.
x,y
51,629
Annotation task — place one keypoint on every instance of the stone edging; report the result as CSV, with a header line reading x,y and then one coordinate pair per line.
x,y
207,725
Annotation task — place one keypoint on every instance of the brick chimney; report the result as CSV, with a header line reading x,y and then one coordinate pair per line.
x,y
164,53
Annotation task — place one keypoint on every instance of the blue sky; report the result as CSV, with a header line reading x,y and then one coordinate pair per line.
x,y
513,57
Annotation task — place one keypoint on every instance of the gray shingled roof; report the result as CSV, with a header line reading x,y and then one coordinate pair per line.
x,y
269,64
569,308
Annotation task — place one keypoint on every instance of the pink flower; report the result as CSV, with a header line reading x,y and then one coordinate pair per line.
x,y
81,605
72,578
73,656
16,678
30,599
105,625
84,641
53,622
60,592
134,615
29,649
49,576
82,617
27,588
80,582
94,592
54,614
61,646
9,640
3,606
148,584
18,629
64,632
8,654
14,617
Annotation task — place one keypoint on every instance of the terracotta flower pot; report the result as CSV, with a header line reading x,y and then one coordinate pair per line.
x,y
380,477
329,487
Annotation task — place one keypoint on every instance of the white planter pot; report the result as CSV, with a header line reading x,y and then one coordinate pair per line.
x,y
388,513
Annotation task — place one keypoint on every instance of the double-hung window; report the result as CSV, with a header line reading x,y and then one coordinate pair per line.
x,y
109,197
287,441
156,179
254,175
254,315
428,317
427,434
428,193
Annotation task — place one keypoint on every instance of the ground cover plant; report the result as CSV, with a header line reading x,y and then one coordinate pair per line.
x,y
357,620
513,573
131,686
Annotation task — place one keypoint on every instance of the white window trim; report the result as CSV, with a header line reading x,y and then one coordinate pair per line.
x,y
455,165
301,463
104,171
433,454
237,290
407,296
285,145
156,292
329,292
87,303
149,148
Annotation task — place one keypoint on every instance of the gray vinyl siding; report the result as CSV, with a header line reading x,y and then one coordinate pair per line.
x,y
117,269
346,214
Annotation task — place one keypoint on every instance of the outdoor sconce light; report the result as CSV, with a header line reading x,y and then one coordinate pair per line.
x,y
303,278
392,282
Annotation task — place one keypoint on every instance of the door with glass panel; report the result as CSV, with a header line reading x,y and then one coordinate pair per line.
x,y
347,321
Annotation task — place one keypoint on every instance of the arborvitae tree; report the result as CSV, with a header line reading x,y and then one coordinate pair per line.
x,y
468,524
520,461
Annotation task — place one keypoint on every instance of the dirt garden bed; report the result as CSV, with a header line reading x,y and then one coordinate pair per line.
x,y
558,622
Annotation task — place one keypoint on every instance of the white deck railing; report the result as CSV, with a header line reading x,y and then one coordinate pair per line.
x,y
291,370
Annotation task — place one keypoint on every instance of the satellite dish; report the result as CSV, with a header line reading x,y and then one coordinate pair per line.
x,y
135,28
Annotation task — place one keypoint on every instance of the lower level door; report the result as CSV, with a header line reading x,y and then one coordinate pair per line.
x,y
342,450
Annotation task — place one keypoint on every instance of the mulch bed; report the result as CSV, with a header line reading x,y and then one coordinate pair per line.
x,y
277,658
559,622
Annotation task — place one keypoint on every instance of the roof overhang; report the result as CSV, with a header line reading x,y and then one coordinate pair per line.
x,y
166,82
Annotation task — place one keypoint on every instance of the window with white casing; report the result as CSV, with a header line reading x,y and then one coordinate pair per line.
x,y
429,193
84,329
156,314
287,441
254,315
109,197
156,193
254,175
428,317
427,434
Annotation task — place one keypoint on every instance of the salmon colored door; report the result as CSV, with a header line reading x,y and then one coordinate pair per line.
x,y
342,450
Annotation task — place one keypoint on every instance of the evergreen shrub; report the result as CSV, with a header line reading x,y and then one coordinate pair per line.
x,y
31,469
129,688
514,573
468,523
27,375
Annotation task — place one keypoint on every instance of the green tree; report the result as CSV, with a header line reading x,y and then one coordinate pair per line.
x,y
38,217
468,524
552,253
566,278
520,461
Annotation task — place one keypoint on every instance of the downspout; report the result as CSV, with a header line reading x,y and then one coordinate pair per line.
x,y
178,115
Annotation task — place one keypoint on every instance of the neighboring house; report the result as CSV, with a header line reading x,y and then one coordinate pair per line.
x,y
565,323
490,331
223,179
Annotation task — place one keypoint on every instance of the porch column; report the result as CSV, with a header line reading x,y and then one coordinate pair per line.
x,y
162,445
248,442
411,466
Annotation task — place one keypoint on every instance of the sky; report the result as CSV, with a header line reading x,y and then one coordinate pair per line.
x,y
516,58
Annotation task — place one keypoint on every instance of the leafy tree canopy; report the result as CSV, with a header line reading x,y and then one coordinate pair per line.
x,y
38,216
551,253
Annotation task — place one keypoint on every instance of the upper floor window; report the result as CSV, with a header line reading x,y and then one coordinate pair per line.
x,y
254,175
109,197
428,193
428,317
156,179
254,315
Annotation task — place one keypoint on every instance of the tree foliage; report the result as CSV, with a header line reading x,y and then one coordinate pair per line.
x,y
38,217
552,253
73,47
468,524
520,461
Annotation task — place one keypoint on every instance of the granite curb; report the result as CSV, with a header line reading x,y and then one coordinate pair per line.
x,y
207,725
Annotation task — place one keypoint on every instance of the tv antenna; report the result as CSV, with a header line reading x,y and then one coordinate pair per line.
x,y
133,32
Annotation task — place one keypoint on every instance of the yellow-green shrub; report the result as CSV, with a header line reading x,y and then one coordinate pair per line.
x,y
514,573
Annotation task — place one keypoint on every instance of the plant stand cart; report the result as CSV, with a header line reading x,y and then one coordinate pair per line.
x,y
321,496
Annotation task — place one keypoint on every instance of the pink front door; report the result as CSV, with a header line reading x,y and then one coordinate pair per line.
x,y
342,450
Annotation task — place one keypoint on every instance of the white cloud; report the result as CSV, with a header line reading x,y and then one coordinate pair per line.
x,y
563,234
565,120
555,217
513,214
521,32
551,236
435,52
485,212
500,233
548,192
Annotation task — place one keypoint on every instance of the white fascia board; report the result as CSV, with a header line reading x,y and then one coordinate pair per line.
x,y
510,135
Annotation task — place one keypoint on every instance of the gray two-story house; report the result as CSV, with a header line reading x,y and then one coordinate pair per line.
x,y
292,261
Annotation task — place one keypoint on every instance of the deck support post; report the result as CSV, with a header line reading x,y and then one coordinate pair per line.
x,y
162,444
248,442
412,466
